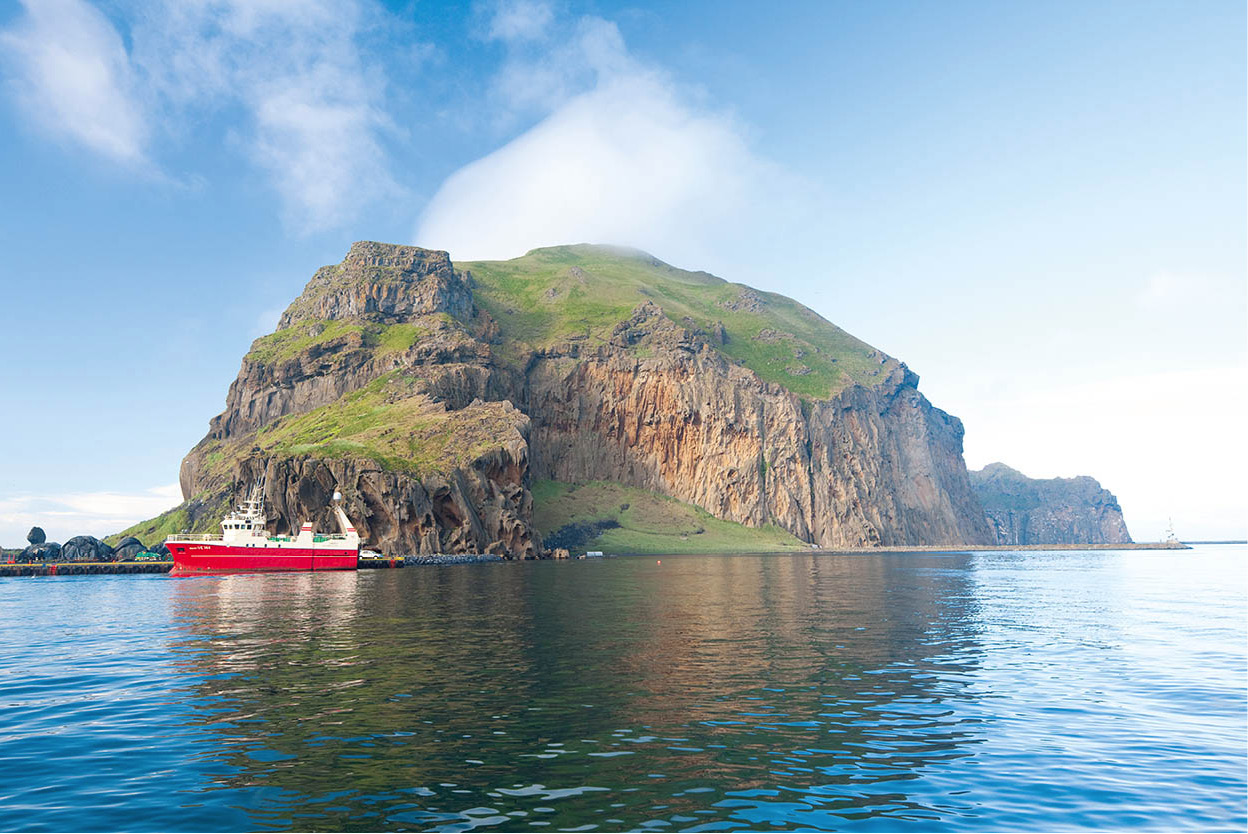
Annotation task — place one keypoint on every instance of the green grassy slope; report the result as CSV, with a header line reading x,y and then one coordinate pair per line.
x,y
581,292
197,516
649,523
393,423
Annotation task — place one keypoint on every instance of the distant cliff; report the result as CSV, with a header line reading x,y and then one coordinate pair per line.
x,y
433,395
1024,510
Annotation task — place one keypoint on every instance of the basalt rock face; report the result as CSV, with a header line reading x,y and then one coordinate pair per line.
x,y
867,467
390,281
483,507
433,396
1024,510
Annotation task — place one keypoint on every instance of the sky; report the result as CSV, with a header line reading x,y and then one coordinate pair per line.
x,y
1039,207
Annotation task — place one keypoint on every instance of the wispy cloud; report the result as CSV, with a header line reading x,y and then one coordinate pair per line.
x,y
70,73
520,20
312,105
81,513
625,154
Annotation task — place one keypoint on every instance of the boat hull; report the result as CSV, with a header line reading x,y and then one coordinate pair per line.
x,y
191,558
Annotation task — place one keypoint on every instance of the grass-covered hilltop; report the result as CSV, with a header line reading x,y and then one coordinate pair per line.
x,y
585,395
581,293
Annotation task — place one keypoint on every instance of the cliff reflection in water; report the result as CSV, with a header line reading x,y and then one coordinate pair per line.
x,y
792,691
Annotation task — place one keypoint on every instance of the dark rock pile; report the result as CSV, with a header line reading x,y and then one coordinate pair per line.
x,y
42,552
85,549
127,549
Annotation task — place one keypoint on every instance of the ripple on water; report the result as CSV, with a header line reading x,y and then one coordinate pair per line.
x,y
1019,691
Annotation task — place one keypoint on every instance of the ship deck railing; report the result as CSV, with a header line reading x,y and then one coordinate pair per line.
x,y
216,537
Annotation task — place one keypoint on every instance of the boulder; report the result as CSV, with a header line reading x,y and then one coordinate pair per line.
x,y
42,552
36,536
127,549
86,549
160,550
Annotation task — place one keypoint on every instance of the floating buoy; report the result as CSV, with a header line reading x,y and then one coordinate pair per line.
x,y
660,562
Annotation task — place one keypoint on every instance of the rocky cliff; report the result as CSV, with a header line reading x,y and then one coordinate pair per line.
x,y
1024,510
433,395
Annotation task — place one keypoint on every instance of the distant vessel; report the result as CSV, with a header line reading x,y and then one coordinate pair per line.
x,y
245,545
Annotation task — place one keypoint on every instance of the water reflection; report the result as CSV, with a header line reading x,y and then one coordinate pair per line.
x,y
805,691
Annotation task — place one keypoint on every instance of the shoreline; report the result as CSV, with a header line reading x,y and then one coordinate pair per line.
x,y
1001,548
391,562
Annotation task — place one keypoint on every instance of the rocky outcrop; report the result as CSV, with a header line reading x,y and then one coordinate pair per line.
x,y
480,508
127,549
398,282
86,549
653,401
873,467
44,551
1024,510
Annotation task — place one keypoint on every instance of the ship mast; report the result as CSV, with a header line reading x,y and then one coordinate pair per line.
x,y
344,523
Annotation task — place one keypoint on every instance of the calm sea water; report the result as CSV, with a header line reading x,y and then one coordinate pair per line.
x,y
1036,691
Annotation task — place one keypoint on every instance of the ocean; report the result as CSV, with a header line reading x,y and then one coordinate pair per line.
x,y
996,691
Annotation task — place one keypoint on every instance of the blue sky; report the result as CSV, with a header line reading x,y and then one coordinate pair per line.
x,y
1039,207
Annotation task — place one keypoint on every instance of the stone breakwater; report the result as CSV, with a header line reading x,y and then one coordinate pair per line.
x,y
451,559
82,568
108,568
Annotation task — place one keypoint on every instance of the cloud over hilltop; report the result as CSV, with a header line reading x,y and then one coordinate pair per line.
x,y
622,153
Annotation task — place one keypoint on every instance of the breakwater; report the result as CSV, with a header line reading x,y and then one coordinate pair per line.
x,y
1003,548
386,562
383,562
451,559
88,568
82,568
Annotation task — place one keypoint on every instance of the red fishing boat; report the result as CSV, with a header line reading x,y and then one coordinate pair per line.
x,y
244,544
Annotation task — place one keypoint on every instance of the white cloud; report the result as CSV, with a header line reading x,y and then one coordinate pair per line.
x,y
81,513
627,157
71,75
520,20
312,105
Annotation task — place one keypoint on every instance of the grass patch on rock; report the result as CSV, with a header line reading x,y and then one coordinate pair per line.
x,y
647,522
393,423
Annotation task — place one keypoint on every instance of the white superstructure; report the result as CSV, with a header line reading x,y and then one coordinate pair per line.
x,y
245,527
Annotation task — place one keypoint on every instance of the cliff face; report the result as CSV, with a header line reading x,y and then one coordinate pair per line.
x,y
433,396
868,466
1024,510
